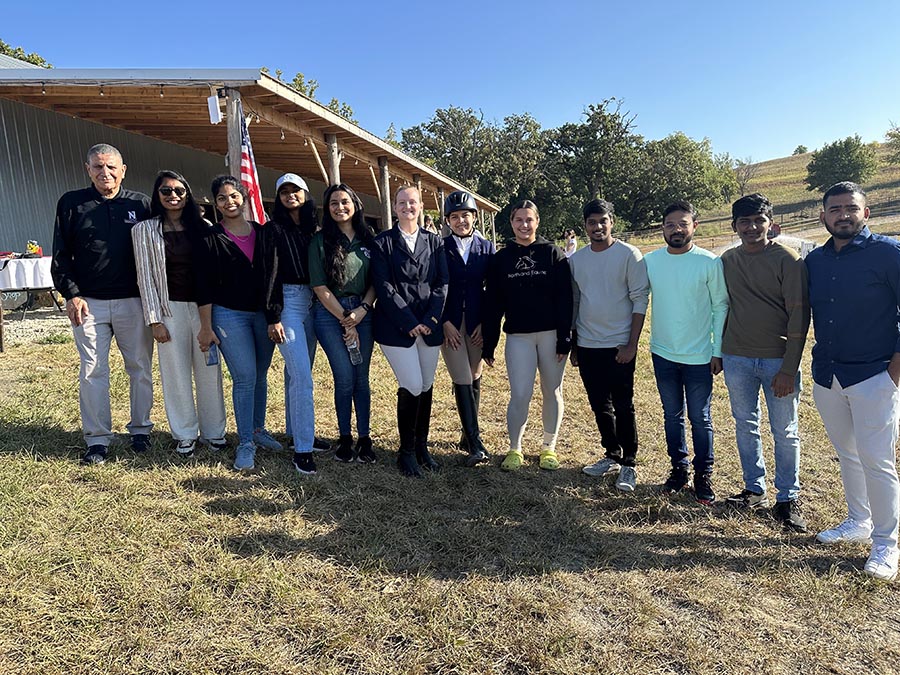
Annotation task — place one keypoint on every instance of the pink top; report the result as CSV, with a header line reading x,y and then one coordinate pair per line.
x,y
246,244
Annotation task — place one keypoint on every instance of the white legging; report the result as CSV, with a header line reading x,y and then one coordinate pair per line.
x,y
413,366
526,355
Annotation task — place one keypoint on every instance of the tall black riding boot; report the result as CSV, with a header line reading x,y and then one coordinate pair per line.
x,y
423,422
468,415
476,391
407,409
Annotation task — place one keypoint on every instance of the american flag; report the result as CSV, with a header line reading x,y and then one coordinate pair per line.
x,y
249,178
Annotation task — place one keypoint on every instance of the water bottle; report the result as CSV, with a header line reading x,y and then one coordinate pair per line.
x,y
355,354
353,347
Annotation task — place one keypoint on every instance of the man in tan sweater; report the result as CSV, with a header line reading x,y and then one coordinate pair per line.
x,y
768,318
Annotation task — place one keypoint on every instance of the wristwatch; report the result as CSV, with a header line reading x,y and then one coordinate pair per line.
x,y
366,306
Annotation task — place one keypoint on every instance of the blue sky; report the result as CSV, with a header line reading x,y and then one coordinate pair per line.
x,y
757,78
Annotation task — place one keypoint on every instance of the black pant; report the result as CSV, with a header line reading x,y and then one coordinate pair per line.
x,y
610,386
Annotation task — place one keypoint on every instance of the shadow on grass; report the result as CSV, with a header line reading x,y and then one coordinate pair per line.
x,y
485,522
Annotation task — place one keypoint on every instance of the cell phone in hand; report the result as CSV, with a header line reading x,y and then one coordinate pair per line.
x,y
212,355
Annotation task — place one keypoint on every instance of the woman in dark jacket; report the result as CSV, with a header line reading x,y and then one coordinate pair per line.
x,y
468,255
230,299
409,273
530,284
285,242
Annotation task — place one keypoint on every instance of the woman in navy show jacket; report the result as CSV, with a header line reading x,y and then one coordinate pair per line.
x,y
409,272
468,255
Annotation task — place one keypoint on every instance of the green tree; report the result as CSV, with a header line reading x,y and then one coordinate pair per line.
x,y
390,136
800,150
847,159
892,141
342,109
19,53
744,172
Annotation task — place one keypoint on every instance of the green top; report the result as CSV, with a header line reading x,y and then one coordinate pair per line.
x,y
768,314
356,265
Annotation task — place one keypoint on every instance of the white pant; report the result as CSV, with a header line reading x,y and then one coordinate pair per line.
x,y
179,359
123,318
413,366
526,355
861,422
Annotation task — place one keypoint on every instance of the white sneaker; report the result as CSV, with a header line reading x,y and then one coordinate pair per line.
x,y
850,531
186,448
882,562
627,479
602,468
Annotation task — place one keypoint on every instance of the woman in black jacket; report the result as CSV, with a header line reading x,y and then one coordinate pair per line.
x,y
409,272
529,283
468,255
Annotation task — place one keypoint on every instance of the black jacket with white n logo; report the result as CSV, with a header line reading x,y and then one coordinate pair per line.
x,y
532,287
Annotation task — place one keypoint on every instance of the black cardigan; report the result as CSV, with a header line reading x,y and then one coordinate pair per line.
x,y
226,277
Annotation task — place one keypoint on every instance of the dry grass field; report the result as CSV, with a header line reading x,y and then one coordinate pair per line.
x,y
154,565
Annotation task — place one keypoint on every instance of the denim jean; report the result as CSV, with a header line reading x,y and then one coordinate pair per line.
x,y
351,383
679,383
247,349
295,352
744,376
311,346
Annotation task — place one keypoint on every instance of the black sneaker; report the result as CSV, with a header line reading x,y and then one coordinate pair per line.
x,y
320,445
96,454
140,442
788,513
304,463
345,449
703,491
676,480
748,499
364,452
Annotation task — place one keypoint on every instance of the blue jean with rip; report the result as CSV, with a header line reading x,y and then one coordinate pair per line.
x,y
744,376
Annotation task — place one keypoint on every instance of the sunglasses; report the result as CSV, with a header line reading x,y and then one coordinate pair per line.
x,y
166,191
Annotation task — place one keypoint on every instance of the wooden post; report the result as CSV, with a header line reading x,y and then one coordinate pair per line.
x,y
375,183
417,181
494,228
334,159
315,152
233,122
386,222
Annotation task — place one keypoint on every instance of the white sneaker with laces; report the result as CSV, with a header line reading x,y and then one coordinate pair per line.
x,y
849,532
882,562
186,448
627,479
601,468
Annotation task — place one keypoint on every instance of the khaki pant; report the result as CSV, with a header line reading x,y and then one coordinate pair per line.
x,y
123,319
463,364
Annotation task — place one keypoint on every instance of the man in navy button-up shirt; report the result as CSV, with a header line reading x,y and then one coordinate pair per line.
x,y
854,292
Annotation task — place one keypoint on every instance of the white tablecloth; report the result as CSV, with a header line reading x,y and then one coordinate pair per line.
x,y
25,273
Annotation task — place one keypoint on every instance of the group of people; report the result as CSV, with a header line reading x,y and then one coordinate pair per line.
x,y
151,269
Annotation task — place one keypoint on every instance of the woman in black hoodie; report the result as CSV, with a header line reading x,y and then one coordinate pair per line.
x,y
530,284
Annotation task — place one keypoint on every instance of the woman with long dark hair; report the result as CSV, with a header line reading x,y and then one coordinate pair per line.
x,y
339,260
409,272
285,243
164,248
232,290
530,284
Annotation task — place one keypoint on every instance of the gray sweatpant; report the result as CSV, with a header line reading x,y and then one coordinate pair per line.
x,y
526,355
125,319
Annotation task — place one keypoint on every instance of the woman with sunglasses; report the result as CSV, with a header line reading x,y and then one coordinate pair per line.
x,y
409,272
285,245
530,284
164,248
339,262
232,292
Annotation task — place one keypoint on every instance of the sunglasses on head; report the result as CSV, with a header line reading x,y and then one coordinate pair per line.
x,y
166,191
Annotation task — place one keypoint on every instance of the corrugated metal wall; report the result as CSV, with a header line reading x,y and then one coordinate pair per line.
x,y
42,155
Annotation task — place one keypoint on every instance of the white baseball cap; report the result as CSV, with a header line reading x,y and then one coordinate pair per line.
x,y
293,179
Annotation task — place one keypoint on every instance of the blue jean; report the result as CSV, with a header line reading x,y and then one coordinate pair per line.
x,y
743,377
351,383
311,345
295,351
247,349
679,383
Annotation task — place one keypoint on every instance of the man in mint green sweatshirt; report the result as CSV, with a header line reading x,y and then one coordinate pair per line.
x,y
689,303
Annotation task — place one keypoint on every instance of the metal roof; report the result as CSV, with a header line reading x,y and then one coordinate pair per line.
x,y
288,129
10,62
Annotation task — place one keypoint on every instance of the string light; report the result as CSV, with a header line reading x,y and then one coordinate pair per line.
x,y
282,134
161,91
43,89
305,141
101,90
